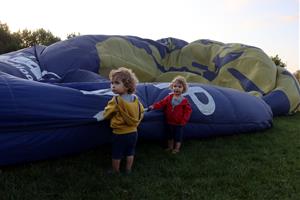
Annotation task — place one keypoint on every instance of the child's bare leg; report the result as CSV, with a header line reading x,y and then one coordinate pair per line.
x,y
129,163
177,147
116,165
170,144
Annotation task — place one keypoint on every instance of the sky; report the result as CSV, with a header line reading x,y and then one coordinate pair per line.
x,y
272,25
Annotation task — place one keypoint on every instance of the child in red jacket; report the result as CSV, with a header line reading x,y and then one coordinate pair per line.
x,y
177,111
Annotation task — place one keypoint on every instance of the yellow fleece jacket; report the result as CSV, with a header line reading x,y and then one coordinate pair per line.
x,y
124,116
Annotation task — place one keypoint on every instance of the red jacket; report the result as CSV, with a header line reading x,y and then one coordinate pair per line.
x,y
179,115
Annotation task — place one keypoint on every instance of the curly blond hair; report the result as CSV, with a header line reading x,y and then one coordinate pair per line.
x,y
127,77
181,80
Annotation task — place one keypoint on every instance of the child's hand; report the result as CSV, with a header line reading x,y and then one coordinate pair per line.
x,y
150,108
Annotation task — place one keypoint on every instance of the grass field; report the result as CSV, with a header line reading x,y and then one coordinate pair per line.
x,y
256,166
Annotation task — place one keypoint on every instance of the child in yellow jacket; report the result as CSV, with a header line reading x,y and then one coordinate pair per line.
x,y
125,113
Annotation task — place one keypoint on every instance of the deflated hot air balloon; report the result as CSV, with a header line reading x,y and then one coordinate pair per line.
x,y
51,96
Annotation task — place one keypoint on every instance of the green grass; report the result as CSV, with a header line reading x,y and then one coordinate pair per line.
x,y
254,166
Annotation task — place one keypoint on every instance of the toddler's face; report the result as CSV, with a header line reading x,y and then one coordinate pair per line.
x,y
118,87
177,88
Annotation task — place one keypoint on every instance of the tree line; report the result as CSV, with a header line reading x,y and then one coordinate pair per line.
x,y
12,41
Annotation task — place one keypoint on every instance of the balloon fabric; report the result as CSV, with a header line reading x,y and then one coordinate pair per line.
x,y
51,96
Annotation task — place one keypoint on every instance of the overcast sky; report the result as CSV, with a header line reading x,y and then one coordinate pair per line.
x,y
272,25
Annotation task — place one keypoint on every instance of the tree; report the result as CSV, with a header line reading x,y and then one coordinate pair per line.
x,y
297,75
22,39
38,37
8,42
71,35
278,61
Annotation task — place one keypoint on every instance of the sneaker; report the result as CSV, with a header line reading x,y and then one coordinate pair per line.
x,y
112,172
127,172
175,151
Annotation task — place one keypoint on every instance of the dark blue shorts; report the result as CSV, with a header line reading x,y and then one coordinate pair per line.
x,y
123,145
174,132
